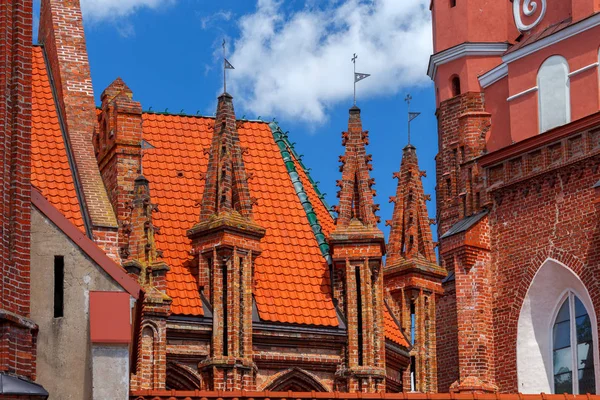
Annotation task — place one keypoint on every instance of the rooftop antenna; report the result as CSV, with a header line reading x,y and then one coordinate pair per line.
x,y
226,65
358,76
411,115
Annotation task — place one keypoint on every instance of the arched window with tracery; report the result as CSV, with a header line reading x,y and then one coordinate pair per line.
x,y
572,349
554,93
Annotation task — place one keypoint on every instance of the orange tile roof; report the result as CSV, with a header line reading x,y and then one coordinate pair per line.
x,y
392,331
291,275
50,171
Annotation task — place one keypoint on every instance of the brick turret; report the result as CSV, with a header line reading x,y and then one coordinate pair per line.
x,y
143,262
117,144
357,247
412,275
17,332
227,241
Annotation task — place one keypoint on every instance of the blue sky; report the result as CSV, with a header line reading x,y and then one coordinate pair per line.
x,y
292,60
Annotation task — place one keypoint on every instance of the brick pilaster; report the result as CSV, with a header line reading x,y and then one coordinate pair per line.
x,y
17,332
357,248
227,241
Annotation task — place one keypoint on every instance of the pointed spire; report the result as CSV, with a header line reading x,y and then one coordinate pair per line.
x,y
226,189
141,255
410,235
356,193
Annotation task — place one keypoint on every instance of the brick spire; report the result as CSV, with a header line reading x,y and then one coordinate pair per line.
x,y
226,187
410,234
227,242
142,262
356,196
357,248
412,276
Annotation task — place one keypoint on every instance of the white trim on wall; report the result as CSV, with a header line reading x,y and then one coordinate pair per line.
x,y
464,50
523,93
559,36
494,75
580,70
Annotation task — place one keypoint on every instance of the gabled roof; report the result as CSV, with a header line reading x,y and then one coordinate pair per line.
x,y
50,171
291,275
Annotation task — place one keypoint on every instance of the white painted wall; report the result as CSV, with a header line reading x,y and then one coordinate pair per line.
x,y
110,372
554,93
534,334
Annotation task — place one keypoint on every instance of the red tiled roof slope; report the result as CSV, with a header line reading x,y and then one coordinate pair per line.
x,y
392,331
291,276
50,171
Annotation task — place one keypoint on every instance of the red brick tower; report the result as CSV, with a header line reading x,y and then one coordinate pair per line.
x,y
469,40
227,241
17,332
412,275
357,247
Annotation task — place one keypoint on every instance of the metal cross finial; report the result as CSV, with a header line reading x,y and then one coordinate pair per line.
x,y
357,76
411,115
226,65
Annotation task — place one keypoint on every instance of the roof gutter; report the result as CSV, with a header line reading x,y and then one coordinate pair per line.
x,y
87,222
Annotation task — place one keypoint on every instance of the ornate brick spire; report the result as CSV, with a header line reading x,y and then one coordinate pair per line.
x,y
142,261
357,248
356,196
410,234
412,276
227,242
226,189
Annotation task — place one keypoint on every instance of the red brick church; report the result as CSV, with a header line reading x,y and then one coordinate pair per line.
x,y
166,256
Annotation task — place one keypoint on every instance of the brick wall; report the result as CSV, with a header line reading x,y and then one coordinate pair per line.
x,y
17,333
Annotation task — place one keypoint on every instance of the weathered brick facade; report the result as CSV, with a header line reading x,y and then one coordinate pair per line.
x,y
17,332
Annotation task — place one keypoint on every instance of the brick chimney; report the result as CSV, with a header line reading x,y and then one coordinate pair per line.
x,y
357,247
61,33
412,275
17,332
227,242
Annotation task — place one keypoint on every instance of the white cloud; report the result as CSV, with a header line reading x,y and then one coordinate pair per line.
x,y
210,20
297,64
95,10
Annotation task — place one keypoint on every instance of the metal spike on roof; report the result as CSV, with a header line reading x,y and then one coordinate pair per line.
x,y
150,109
181,112
166,110
197,112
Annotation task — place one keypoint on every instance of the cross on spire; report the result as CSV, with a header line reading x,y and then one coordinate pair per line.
x,y
358,76
411,115
226,65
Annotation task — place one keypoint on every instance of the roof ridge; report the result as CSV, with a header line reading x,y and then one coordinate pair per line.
x,y
285,148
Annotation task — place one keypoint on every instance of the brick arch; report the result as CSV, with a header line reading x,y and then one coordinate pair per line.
x,y
296,380
182,377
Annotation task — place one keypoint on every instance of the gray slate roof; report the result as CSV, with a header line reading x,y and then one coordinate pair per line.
x,y
464,224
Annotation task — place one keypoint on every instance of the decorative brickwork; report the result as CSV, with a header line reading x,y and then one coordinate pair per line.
x,y
117,142
227,241
412,276
17,333
143,263
61,33
357,248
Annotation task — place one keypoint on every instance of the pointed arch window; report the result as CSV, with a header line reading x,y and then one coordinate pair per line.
x,y
554,93
572,348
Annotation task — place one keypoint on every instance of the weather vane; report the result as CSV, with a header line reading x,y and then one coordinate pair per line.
x,y
358,76
411,115
226,65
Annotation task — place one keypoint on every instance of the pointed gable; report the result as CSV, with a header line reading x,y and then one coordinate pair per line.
x,y
356,196
410,234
